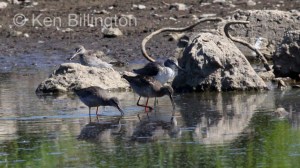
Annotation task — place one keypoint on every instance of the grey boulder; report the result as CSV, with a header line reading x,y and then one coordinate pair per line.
x,y
214,63
71,75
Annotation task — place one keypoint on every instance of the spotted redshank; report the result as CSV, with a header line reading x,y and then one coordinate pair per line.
x,y
162,72
149,87
95,96
88,58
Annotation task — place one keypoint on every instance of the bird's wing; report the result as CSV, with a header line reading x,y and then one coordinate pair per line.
x,y
92,91
150,69
155,84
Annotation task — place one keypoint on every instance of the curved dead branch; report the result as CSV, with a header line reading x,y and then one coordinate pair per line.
x,y
260,55
146,39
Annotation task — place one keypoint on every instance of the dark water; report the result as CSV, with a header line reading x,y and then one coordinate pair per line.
x,y
208,130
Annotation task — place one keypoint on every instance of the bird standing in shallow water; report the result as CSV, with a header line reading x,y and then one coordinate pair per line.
x,y
95,96
149,87
89,58
161,72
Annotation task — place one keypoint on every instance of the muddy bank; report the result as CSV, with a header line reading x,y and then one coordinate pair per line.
x,y
55,40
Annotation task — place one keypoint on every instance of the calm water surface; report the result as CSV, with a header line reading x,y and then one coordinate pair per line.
x,y
208,130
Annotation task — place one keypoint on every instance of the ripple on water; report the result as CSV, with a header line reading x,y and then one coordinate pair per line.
x,y
3,154
55,153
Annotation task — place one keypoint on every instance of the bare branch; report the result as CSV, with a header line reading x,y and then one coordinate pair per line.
x,y
182,29
260,55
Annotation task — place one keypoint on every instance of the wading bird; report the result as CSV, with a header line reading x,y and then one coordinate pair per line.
x,y
162,72
149,87
95,96
89,58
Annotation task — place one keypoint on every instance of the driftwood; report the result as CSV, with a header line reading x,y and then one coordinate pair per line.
x,y
146,39
224,31
260,55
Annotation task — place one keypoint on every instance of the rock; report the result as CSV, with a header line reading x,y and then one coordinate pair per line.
x,y
15,33
287,58
270,25
267,75
208,15
3,5
281,113
178,6
296,86
214,63
172,18
66,30
205,4
26,35
17,2
70,75
219,1
112,32
176,36
281,84
101,12
251,3
140,7
195,18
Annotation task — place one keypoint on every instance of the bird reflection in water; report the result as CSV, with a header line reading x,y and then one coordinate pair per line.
x,y
152,128
94,131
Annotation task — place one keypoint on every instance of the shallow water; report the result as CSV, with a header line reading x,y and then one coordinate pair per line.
x,y
208,130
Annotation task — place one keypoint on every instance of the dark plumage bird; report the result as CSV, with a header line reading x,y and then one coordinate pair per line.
x,y
161,72
149,87
95,96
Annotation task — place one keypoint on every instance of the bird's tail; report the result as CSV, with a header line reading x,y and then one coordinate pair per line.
x,y
128,78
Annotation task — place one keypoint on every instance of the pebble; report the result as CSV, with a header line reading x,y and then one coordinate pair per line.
x,y
208,15
251,3
112,32
3,5
195,17
26,35
175,36
205,4
179,6
16,33
281,112
101,12
219,1
66,30
172,18
140,7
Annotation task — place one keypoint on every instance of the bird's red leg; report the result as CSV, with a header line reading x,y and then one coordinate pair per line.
x,y
97,111
146,104
138,104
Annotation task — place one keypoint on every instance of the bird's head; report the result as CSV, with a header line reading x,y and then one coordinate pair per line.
x,y
79,50
172,63
115,103
168,90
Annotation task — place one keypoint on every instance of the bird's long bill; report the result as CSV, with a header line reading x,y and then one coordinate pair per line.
x,y
180,68
172,101
122,112
73,56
